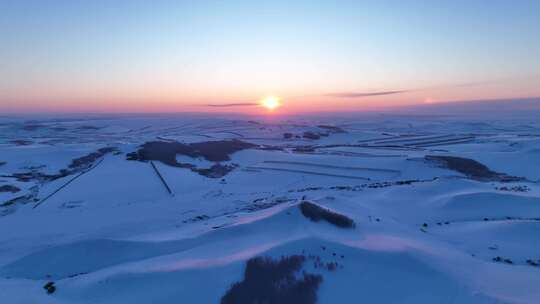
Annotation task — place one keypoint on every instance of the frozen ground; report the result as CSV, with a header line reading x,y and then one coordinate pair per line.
x,y
104,228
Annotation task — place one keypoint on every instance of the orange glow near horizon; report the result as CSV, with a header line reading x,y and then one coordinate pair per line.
x,y
250,101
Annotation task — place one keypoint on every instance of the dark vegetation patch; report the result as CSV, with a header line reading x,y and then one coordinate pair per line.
x,y
77,274
494,219
274,281
216,171
77,165
312,135
88,128
49,287
33,176
530,262
166,152
32,127
304,149
364,186
270,148
318,263
215,151
535,263
29,197
317,213
371,218
471,168
518,188
87,160
264,203
21,142
19,199
197,218
71,204
503,260
332,129
9,188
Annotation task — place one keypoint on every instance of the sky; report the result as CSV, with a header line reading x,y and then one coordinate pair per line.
x,y
163,56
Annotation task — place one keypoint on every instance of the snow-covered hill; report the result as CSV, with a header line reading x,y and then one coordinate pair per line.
x,y
445,209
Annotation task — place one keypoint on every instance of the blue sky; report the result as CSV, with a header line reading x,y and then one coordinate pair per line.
x,y
74,53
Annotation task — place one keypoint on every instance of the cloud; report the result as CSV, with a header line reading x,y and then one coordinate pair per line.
x,y
365,94
428,89
239,104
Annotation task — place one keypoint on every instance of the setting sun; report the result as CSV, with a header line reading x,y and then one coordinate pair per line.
x,y
271,102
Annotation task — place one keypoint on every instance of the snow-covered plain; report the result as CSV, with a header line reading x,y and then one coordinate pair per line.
x,y
110,232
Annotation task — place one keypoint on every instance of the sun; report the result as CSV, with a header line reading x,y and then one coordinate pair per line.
x,y
271,102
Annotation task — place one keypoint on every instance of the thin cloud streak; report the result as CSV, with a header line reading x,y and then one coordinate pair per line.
x,y
226,105
364,94
436,87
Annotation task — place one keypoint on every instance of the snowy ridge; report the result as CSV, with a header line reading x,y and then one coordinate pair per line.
x,y
422,233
